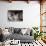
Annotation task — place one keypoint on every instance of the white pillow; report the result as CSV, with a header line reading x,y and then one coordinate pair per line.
x,y
23,31
5,32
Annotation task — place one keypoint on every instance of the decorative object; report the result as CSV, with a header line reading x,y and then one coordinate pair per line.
x,y
15,15
37,34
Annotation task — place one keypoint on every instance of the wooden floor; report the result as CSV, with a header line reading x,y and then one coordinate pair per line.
x,y
35,43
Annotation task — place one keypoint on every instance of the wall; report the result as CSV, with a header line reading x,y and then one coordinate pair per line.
x,y
31,14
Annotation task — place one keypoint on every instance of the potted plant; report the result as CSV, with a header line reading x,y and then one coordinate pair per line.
x,y
37,33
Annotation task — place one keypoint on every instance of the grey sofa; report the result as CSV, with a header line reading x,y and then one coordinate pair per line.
x,y
17,35
22,38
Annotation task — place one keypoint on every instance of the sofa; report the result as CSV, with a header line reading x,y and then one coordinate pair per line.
x,y
17,34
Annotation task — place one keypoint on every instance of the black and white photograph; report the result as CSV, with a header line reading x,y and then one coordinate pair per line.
x,y
15,15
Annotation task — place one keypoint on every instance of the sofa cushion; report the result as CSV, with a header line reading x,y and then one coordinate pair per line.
x,y
17,30
23,31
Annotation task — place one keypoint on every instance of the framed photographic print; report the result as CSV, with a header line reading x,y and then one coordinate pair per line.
x,y
15,15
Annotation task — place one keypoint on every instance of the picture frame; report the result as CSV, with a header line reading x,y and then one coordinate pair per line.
x,y
15,15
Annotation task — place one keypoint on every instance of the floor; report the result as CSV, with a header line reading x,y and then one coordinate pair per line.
x,y
35,43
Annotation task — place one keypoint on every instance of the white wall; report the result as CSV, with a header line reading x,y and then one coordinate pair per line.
x,y
31,14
